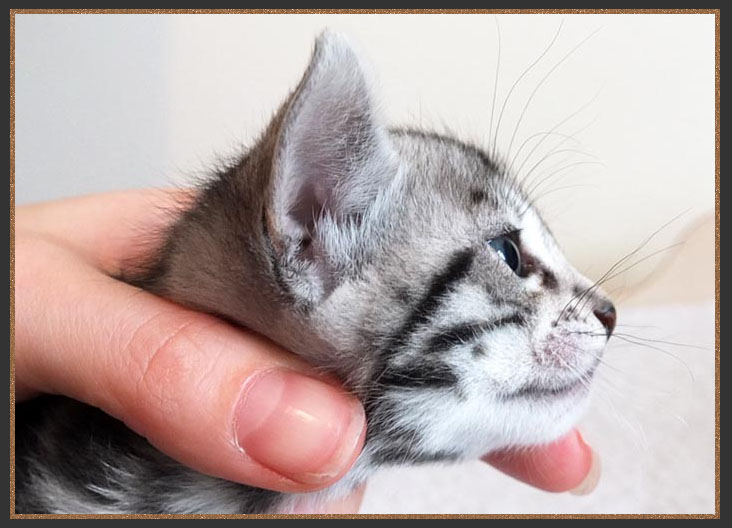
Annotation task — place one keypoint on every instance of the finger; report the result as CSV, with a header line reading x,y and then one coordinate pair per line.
x,y
127,225
564,465
218,399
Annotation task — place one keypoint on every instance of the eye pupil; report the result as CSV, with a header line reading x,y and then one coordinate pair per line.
x,y
507,250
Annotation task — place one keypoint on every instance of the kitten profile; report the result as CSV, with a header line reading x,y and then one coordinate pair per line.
x,y
409,264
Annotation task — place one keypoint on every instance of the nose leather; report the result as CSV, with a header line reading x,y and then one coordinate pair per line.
x,y
607,315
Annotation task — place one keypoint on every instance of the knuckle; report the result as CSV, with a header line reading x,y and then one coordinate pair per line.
x,y
164,357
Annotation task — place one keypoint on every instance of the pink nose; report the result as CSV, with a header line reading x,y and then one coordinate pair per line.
x,y
606,314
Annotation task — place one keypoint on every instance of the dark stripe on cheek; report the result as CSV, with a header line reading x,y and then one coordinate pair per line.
x,y
457,335
456,270
425,375
428,374
465,333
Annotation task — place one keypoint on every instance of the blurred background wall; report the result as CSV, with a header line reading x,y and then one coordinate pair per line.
x,y
117,101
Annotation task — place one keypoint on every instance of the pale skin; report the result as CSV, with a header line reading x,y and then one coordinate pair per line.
x,y
175,376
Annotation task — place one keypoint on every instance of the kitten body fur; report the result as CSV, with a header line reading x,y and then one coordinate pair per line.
x,y
370,247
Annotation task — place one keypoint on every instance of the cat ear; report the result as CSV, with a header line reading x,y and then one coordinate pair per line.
x,y
331,158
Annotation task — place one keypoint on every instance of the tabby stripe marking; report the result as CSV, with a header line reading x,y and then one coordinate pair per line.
x,y
427,374
456,270
467,332
422,374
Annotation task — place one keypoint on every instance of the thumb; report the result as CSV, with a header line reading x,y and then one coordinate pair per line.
x,y
221,400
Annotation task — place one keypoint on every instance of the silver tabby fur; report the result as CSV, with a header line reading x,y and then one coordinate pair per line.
x,y
369,247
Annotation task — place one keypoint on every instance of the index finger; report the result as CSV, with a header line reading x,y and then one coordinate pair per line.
x,y
125,228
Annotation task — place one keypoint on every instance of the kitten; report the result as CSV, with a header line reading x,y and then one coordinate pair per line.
x,y
407,263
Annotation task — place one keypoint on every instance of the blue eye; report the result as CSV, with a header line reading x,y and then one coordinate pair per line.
x,y
508,251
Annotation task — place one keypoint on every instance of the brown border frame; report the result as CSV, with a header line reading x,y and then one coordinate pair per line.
x,y
715,12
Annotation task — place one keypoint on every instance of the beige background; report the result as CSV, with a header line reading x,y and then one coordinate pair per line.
x,y
110,101
106,102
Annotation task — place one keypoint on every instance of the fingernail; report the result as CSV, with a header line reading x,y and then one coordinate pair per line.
x,y
298,427
592,478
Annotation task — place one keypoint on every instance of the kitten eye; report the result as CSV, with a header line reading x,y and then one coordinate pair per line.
x,y
508,251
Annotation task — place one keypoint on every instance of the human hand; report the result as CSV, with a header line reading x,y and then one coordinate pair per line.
x,y
568,464
219,399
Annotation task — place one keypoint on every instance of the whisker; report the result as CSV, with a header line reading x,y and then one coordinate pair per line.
x,y
580,305
526,181
636,326
581,376
634,264
612,268
526,71
552,132
495,86
565,167
556,189
672,343
603,361
565,137
555,153
531,97
674,356
630,336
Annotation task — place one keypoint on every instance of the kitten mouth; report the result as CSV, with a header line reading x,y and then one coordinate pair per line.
x,y
534,391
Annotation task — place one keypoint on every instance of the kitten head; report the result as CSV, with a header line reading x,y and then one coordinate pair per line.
x,y
408,263
443,295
